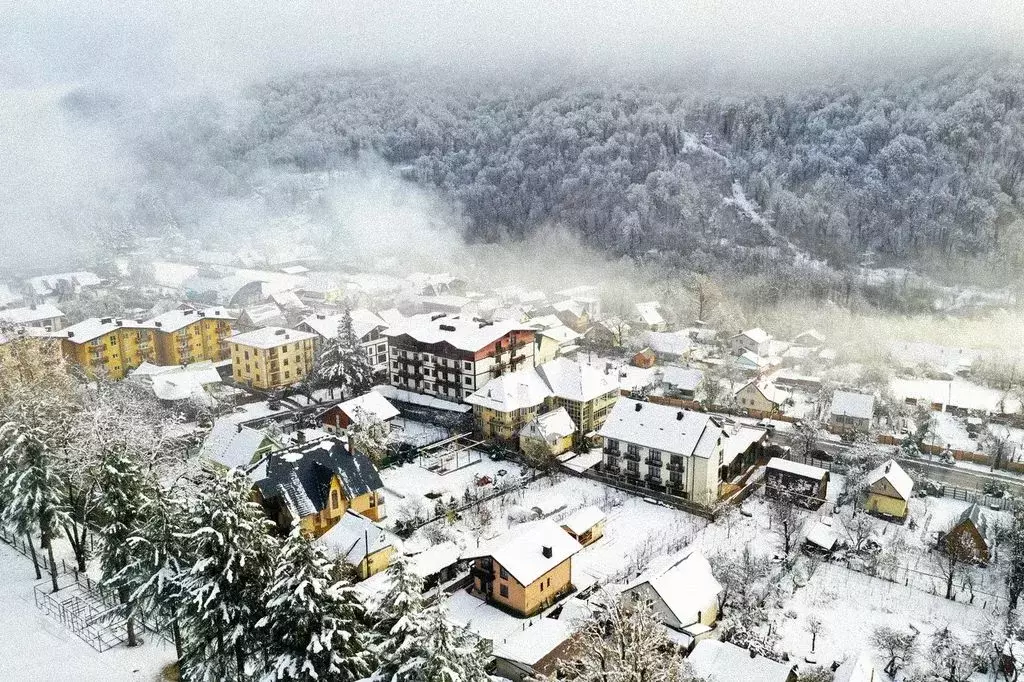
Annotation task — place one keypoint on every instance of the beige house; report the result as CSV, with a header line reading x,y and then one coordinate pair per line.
x,y
271,358
763,399
526,569
665,448
683,591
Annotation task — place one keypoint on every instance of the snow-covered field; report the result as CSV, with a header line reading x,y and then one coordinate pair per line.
x,y
36,648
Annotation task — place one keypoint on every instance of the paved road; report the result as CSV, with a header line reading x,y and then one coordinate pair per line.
x,y
960,477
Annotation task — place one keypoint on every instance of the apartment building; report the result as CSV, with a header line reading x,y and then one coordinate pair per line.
x,y
367,327
43,316
450,357
108,346
271,358
665,448
185,336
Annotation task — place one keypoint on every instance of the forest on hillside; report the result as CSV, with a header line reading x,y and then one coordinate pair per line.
x,y
908,170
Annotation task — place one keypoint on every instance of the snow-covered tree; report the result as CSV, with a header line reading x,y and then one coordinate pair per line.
x,y
896,646
403,626
342,363
454,654
313,624
1011,537
370,435
624,641
232,557
124,489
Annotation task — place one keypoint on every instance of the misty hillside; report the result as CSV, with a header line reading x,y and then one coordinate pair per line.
x,y
918,168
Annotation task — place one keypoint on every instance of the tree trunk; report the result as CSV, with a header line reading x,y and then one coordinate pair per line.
x,y
176,636
949,582
32,551
122,593
53,563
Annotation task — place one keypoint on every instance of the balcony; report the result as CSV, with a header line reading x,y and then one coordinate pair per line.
x,y
632,456
653,461
612,466
674,466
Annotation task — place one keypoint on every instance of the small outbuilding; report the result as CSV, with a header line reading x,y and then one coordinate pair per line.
x,y
806,485
645,358
971,536
586,525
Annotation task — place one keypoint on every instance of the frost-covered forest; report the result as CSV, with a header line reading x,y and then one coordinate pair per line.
x,y
910,169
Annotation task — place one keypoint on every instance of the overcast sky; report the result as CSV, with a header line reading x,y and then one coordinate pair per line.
x,y
161,44
56,171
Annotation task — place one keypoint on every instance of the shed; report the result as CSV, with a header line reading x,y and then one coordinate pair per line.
x,y
586,525
806,484
645,358
970,536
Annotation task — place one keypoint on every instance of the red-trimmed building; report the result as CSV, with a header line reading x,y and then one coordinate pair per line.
x,y
451,356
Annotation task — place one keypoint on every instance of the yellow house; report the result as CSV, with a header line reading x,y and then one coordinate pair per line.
x,y
763,399
316,483
271,358
889,491
554,429
107,345
185,336
525,570
361,543
507,403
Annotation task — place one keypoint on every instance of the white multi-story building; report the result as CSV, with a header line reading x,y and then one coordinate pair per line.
x,y
367,327
665,448
450,357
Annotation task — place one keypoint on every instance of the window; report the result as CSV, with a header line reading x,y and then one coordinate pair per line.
x,y
503,573
633,449
633,467
503,590
287,375
373,499
467,366
549,582
613,445
542,586
334,499
469,381
246,355
381,348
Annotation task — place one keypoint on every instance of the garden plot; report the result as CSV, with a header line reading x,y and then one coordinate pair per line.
x,y
851,605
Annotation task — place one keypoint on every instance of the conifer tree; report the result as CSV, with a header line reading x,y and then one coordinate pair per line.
x,y
342,364
313,624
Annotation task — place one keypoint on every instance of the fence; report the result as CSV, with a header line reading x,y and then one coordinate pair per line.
x,y
85,607
667,498
943,489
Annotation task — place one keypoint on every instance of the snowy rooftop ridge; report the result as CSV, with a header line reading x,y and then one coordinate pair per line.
x,y
522,550
30,314
95,327
895,475
463,333
173,320
850,404
662,427
797,468
270,337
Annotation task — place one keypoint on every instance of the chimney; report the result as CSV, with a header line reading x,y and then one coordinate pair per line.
x,y
106,320
279,332
71,335
679,416
546,551
887,465
321,316
639,406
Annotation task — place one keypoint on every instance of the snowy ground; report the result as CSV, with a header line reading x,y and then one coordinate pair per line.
x,y
36,648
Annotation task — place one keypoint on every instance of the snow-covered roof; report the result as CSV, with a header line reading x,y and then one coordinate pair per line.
x,y
822,533
584,519
682,378
30,314
849,404
520,551
749,359
269,337
740,438
770,391
403,396
173,320
554,424
289,300
512,391
686,587
812,336
662,427
668,343
231,445
797,468
95,327
649,313
355,537
561,334
46,284
576,381
179,382
434,559
533,643
757,335
724,662
895,475
263,314
459,332
369,405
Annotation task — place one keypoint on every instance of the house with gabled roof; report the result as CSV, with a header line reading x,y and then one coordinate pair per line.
x,y
361,543
972,536
525,569
889,490
647,315
43,316
665,448
683,591
725,662
756,341
314,484
234,446
763,398
851,412
361,410
555,429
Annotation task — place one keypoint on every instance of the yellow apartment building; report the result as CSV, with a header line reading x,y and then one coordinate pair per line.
x,y
271,357
185,336
108,346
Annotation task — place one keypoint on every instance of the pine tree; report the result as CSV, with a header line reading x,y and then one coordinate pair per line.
x,y
123,491
453,653
342,364
403,628
233,555
313,623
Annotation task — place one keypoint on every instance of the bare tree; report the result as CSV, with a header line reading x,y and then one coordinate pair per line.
x,y
814,627
897,646
784,521
956,553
